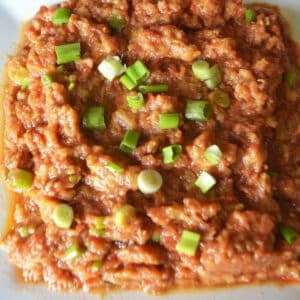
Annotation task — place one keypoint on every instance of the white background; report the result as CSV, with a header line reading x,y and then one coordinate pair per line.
x,y
12,13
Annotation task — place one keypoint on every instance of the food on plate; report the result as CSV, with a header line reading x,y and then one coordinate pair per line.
x,y
153,145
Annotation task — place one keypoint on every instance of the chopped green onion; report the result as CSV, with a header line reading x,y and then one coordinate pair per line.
x,y
128,82
169,121
138,72
135,74
61,16
250,15
96,265
67,53
288,233
188,242
220,98
71,86
47,80
198,110
99,223
136,101
290,77
149,181
93,118
20,179
113,167
211,76
155,237
23,232
215,78
130,141
111,67
154,88
74,251
171,153
213,154
201,70
124,215
20,76
63,216
117,23
205,182
74,178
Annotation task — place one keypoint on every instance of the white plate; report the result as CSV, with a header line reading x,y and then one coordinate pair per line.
x,y
12,13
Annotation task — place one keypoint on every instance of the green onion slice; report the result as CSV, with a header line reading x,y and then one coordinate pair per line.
x,y
169,121
117,23
111,67
250,15
63,216
205,182
288,233
124,214
155,237
67,53
74,251
134,75
20,179
96,265
171,153
61,16
290,77
211,76
20,76
47,80
23,232
149,181
99,223
198,110
154,88
130,141
113,167
71,86
93,118
221,98
213,154
188,242
136,101
74,178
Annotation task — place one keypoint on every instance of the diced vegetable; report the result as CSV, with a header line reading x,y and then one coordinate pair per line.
x,y
61,16
188,242
96,265
250,15
130,141
93,118
288,233
149,181
67,53
290,77
47,80
169,121
74,251
171,153
19,75
205,182
123,215
221,98
136,101
74,178
155,237
117,23
23,232
113,167
63,216
213,154
20,179
134,75
198,110
71,86
111,67
154,88
99,223
211,76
